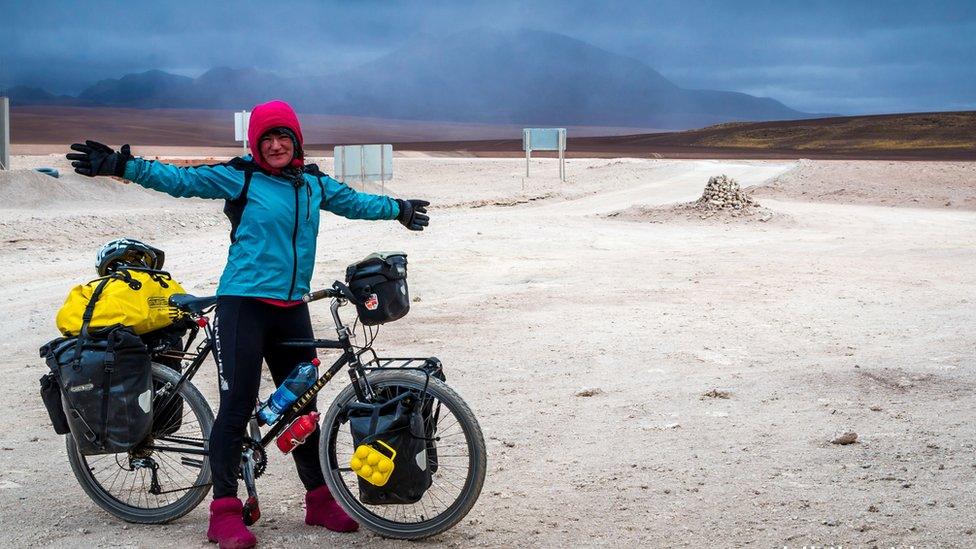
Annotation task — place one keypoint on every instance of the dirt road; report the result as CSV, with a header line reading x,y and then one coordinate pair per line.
x,y
848,317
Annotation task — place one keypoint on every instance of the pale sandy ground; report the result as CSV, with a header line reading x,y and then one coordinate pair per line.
x,y
848,317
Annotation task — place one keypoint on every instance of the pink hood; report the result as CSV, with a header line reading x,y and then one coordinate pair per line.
x,y
274,114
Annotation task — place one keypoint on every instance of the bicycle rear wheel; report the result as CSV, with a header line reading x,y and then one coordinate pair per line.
x,y
456,456
160,480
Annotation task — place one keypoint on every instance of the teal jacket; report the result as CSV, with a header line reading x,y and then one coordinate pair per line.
x,y
274,220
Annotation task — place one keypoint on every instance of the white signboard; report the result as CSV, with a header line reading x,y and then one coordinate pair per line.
x,y
363,163
545,139
241,121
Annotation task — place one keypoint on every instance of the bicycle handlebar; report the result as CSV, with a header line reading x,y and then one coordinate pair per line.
x,y
318,294
338,291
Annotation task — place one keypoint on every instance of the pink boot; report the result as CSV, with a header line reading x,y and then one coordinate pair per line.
x,y
227,525
321,509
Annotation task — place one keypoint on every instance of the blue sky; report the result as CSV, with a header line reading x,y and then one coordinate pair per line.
x,y
842,57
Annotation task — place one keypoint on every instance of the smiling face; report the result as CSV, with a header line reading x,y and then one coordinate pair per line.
x,y
277,149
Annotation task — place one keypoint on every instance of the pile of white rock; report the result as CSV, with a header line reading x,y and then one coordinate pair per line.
x,y
723,193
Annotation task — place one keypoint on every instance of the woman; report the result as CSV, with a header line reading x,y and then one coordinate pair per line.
x,y
273,201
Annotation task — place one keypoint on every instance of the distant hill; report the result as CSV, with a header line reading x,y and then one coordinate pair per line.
x,y
483,75
940,135
915,132
40,124
148,89
26,95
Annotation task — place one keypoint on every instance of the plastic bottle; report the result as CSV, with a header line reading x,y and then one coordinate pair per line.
x,y
298,432
298,381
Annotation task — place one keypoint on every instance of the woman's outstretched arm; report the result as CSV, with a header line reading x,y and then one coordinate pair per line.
x,y
341,199
218,181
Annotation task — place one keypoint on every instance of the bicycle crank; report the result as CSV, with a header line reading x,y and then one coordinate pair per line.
x,y
252,510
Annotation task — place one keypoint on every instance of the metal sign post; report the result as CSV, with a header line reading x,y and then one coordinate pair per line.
x,y
241,121
4,133
562,154
545,139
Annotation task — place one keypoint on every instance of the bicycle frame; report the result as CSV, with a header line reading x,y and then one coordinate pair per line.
x,y
350,357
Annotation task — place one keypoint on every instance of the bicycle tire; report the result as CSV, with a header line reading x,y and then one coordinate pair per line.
x,y
102,497
477,458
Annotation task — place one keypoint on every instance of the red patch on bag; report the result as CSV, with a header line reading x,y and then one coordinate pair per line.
x,y
372,302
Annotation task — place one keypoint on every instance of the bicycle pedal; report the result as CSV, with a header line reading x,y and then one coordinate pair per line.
x,y
252,511
372,465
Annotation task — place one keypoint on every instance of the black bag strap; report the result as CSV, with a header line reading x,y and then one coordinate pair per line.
x,y
322,189
248,174
76,362
107,384
374,424
86,321
158,276
234,208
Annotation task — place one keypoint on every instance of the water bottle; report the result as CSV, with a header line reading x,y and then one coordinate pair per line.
x,y
298,432
298,381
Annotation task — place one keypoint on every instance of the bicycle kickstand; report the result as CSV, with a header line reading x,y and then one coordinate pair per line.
x,y
252,511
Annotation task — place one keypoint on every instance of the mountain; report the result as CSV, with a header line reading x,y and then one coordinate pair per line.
x,y
482,75
228,88
26,95
146,89
530,77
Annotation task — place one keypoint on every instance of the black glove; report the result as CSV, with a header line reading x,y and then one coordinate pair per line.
x,y
98,159
413,214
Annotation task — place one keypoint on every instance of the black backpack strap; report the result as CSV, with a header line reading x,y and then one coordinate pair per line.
x,y
234,209
313,169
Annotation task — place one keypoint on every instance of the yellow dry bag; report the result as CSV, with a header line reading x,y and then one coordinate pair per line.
x,y
138,299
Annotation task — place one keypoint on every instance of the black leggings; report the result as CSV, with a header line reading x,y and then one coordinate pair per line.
x,y
246,330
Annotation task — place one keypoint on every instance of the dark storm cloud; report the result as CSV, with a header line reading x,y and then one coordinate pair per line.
x,y
814,56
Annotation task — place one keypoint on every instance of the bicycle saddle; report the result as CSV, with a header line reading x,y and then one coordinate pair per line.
x,y
191,303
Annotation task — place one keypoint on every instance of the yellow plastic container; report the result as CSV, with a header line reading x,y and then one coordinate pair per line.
x,y
370,464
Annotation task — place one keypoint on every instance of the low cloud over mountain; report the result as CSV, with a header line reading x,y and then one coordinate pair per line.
x,y
524,77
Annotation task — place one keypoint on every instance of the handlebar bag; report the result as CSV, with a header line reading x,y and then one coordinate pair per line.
x,y
379,283
105,378
398,423
137,298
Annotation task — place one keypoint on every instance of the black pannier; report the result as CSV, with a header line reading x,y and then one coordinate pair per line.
x,y
105,380
399,423
379,283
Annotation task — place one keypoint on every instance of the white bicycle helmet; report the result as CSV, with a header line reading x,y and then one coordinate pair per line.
x,y
128,252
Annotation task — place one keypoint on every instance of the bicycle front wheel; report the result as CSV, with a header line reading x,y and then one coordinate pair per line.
x,y
456,457
167,475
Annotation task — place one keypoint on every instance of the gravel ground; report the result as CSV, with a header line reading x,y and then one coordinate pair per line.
x,y
639,383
